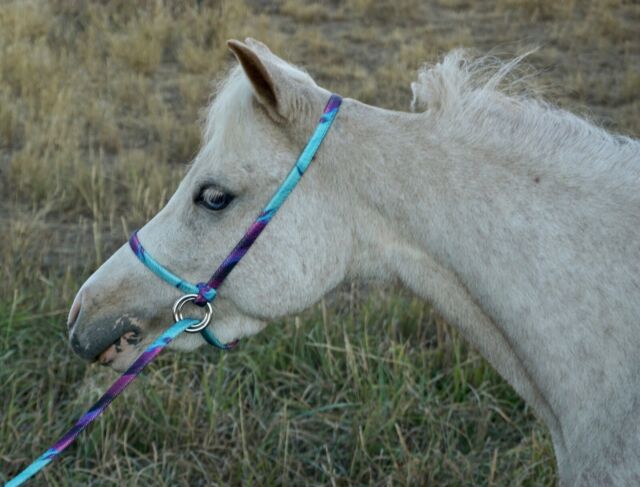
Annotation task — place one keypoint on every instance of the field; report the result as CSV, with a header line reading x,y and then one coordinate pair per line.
x,y
100,110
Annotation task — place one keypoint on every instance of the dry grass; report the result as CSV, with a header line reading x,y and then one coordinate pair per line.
x,y
99,110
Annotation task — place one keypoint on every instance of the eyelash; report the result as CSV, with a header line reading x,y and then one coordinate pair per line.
x,y
213,199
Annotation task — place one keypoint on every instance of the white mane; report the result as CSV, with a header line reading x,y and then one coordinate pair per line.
x,y
231,102
484,99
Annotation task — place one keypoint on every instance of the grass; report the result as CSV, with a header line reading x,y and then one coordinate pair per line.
x,y
99,110
365,393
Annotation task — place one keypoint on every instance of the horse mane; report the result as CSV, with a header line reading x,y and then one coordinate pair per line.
x,y
486,100
445,85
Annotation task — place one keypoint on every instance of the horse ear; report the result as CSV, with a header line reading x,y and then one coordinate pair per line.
x,y
264,75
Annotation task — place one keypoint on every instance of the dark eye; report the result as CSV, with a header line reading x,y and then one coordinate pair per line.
x,y
214,199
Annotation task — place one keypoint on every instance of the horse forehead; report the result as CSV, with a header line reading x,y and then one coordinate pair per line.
x,y
235,167
251,146
235,150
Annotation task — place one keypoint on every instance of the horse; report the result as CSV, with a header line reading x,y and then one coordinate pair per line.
x,y
517,220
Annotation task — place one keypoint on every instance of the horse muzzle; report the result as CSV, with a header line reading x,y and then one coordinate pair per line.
x,y
92,338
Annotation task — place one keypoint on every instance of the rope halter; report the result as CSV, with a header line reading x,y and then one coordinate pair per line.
x,y
201,294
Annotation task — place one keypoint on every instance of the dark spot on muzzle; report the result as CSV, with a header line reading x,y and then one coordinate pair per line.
x,y
89,340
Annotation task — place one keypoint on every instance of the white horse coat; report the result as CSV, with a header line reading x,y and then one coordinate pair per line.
x,y
520,222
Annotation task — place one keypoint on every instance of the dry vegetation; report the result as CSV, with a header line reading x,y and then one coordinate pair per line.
x,y
99,109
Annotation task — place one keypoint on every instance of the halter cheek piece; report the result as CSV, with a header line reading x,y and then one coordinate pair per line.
x,y
201,294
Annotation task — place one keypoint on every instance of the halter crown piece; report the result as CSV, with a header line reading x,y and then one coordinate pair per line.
x,y
201,294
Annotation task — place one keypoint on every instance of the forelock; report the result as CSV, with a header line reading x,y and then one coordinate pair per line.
x,y
232,103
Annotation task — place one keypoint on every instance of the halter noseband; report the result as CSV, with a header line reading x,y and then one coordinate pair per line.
x,y
203,293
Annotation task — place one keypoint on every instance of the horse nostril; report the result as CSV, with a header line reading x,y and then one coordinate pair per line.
x,y
74,311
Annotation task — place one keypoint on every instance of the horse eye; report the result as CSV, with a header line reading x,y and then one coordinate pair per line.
x,y
214,199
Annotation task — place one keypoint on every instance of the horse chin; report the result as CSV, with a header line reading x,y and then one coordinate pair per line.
x,y
121,362
126,349
237,326
121,353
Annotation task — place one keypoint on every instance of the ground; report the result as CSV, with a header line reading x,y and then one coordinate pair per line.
x,y
99,113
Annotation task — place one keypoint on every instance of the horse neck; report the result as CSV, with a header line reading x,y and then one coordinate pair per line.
x,y
508,253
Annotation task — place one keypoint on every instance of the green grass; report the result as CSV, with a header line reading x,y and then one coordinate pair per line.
x,y
361,392
99,112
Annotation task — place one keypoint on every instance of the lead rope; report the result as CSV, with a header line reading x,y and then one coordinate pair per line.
x,y
201,294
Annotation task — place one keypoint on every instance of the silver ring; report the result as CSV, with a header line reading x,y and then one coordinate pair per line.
x,y
177,313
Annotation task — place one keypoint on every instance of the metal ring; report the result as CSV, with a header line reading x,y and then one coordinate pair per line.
x,y
177,313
